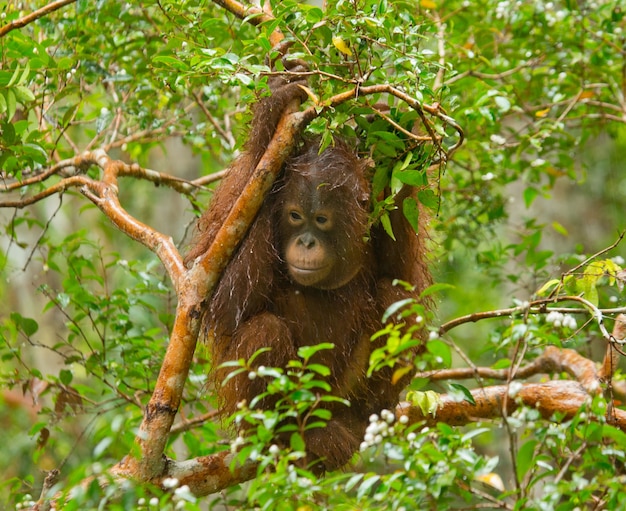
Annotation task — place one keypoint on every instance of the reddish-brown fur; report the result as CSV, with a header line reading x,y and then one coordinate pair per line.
x,y
257,304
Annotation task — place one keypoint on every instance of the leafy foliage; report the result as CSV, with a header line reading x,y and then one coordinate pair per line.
x,y
537,88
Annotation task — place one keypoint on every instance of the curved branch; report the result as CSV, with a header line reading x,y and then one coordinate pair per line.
x,y
80,163
252,14
33,16
161,179
104,194
196,285
70,182
208,474
552,360
249,202
108,202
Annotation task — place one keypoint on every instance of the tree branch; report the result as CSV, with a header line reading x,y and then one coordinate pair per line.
x,y
421,108
535,307
197,284
552,360
561,397
252,14
68,168
33,16
104,194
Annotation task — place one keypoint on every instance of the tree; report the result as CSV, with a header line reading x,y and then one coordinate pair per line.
x,y
470,105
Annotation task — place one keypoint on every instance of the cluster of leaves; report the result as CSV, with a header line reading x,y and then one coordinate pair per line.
x,y
536,81
569,465
102,357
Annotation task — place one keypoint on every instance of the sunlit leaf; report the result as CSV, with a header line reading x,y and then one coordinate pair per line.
x,y
341,45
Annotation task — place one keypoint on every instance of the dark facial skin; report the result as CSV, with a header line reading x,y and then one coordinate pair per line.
x,y
320,249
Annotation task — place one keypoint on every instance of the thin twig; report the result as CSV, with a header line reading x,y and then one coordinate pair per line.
x,y
597,254
534,307
82,162
228,137
421,108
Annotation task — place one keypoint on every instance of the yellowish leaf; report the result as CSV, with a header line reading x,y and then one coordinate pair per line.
x,y
492,479
399,373
542,113
428,4
560,229
341,45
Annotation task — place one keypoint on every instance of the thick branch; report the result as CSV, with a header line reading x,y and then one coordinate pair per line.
x,y
555,397
249,202
252,14
562,397
209,474
198,283
108,201
611,357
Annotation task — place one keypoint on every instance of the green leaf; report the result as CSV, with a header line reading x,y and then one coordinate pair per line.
x,y
474,433
14,77
525,458
428,401
436,288
395,307
410,177
530,194
319,369
66,376
296,443
411,212
23,94
11,104
25,74
27,325
441,351
547,287
461,389
367,485
306,352
322,414
353,481
428,198
386,223
560,229
503,363
171,62
503,104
